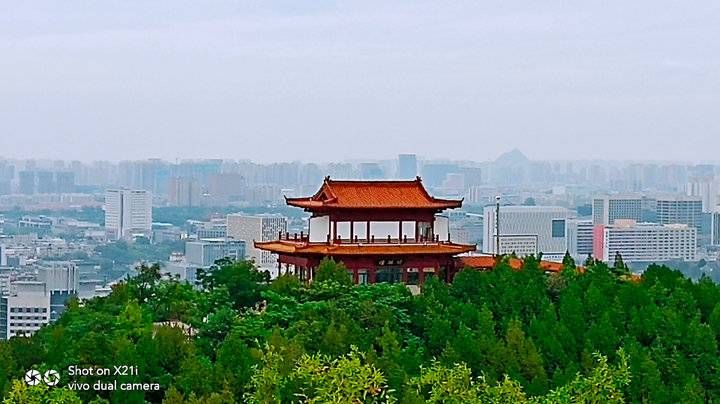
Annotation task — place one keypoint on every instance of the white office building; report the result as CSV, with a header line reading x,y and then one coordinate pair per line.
x,y
680,209
645,242
128,213
607,209
205,252
251,228
24,310
62,281
527,230
59,275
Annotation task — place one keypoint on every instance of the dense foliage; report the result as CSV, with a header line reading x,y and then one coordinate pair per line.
x,y
498,336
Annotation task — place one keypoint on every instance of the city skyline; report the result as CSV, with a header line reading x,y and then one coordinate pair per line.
x,y
282,80
380,158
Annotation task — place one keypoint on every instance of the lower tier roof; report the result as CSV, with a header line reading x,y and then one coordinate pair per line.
x,y
325,249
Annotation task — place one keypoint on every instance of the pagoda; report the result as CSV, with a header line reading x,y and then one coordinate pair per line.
x,y
382,231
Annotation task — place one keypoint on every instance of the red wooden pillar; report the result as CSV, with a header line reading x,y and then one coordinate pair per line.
x,y
421,275
367,231
371,275
352,231
400,232
404,276
356,278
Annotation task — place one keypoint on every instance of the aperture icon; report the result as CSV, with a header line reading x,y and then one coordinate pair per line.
x,y
51,377
32,377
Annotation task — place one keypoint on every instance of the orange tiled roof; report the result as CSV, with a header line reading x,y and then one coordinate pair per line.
x,y
488,262
373,195
295,247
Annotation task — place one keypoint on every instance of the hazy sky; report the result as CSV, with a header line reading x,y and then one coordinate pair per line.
x,y
332,80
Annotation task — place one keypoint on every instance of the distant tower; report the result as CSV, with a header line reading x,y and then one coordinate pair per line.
x,y
407,166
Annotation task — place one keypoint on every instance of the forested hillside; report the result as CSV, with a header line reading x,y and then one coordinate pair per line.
x,y
498,336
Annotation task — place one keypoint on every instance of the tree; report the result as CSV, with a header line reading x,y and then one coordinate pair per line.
x,y
568,261
145,282
286,284
329,270
589,261
439,384
21,393
321,379
524,362
619,266
243,281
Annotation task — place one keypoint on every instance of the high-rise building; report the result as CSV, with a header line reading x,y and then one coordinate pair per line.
x,y
435,173
473,176
7,173
128,213
707,189
185,192
46,182
645,242
454,184
256,228
205,252
26,182
523,226
607,209
407,166
65,182
579,238
715,227
371,171
680,209
3,255
228,186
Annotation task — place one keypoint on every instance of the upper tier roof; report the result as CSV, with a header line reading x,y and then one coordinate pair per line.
x,y
347,194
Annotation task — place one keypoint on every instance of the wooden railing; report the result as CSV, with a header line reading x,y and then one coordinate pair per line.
x,y
302,237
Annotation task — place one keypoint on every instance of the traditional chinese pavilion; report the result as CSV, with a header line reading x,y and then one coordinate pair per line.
x,y
383,231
